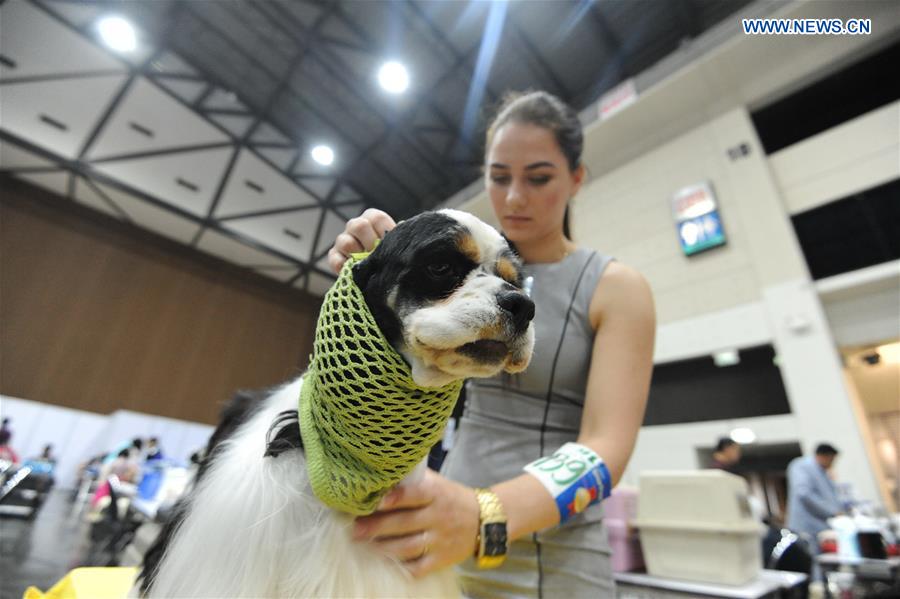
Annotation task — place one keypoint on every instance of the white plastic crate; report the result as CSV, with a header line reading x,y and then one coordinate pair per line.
x,y
697,526
701,496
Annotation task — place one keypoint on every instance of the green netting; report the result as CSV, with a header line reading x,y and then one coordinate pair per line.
x,y
365,424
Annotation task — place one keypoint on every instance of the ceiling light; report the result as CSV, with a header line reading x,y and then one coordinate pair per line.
x,y
324,155
743,435
727,357
890,353
117,33
393,77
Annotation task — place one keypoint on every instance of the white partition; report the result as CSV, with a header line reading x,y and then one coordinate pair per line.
x,y
77,435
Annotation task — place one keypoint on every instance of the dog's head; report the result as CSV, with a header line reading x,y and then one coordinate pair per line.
x,y
446,291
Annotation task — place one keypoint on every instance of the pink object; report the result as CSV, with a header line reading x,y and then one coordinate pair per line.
x,y
101,492
627,555
621,504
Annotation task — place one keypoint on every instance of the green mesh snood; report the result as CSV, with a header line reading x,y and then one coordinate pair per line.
x,y
365,424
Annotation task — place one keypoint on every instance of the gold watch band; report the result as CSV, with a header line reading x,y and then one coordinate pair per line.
x,y
492,542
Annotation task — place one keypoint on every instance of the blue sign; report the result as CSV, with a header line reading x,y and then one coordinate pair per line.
x,y
701,233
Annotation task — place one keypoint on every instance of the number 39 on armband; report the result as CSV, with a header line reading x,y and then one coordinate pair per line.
x,y
575,476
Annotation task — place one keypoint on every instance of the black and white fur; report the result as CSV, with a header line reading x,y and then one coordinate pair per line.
x,y
446,291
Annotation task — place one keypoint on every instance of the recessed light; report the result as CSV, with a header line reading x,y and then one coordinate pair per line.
x,y
393,77
322,154
743,435
117,33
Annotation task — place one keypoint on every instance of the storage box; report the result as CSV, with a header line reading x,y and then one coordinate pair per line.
x,y
697,525
626,546
622,504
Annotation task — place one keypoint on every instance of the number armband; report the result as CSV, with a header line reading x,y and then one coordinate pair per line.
x,y
575,476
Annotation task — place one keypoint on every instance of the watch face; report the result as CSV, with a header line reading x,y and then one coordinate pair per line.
x,y
494,539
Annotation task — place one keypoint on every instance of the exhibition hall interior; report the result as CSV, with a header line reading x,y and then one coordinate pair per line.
x,y
469,298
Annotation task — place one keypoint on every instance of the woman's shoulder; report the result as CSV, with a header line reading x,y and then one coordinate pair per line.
x,y
621,289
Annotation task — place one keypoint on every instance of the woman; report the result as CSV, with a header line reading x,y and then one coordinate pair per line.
x,y
587,383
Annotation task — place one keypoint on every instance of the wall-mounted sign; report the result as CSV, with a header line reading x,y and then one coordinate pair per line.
x,y
697,218
616,99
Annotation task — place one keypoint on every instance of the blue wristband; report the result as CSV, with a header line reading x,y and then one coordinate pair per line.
x,y
575,476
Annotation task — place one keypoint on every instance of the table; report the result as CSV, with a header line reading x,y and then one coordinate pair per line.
x,y
769,584
864,568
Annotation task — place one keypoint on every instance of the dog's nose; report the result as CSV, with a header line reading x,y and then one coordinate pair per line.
x,y
519,306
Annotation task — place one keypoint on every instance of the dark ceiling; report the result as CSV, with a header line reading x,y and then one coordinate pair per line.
x,y
309,68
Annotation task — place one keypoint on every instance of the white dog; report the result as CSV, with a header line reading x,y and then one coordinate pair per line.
x,y
445,291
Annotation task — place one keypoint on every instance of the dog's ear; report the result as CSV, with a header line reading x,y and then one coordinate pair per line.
x,y
363,271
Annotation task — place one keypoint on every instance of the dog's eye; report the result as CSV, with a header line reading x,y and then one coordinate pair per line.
x,y
439,270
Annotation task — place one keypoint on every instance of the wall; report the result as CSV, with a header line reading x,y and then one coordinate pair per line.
x,y
100,315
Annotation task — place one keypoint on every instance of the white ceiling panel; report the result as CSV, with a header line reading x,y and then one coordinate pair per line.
x,y
187,180
291,233
12,156
87,195
225,247
148,119
172,64
58,183
236,125
351,210
333,225
60,114
266,133
39,45
186,89
254,185
280,157
281,274
224,100
320,187
152,217
318,284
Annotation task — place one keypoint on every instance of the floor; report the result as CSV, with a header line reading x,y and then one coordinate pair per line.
x,y
39,552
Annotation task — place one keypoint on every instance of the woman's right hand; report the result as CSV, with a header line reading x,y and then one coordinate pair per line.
x,y
359,235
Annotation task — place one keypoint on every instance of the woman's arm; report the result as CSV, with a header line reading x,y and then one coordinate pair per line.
x,y
623,316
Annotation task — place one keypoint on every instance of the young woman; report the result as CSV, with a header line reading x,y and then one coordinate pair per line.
x,y
587,383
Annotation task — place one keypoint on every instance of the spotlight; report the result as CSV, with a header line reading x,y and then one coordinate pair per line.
x,y
727,357
117,33
324,155
743,435
393,77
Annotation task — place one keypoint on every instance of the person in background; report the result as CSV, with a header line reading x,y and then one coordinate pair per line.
x,y
154,452
596,316
727,455
6,452
812,496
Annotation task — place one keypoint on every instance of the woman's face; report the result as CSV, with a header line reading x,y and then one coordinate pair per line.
x,y
529,181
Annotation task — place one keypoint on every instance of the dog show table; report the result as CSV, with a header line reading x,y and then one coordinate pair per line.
x,y
769,584
864,569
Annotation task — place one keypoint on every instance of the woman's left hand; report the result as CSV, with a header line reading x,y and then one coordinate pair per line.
x,y
429,525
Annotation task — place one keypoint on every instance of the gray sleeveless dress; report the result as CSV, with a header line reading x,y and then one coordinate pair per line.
x,y
508,423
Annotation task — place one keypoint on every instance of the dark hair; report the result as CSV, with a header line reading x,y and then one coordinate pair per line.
x,y
547,111
826,449
124,453
724,443
137,443
5,436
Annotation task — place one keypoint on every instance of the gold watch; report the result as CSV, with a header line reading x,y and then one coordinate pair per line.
x,y
492,543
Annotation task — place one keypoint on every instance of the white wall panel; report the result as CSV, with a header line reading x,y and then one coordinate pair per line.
x,y
852,157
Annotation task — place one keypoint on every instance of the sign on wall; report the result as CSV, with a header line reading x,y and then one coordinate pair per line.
x,y
697,218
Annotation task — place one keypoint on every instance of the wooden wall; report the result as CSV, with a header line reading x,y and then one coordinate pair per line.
x,y
100,315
